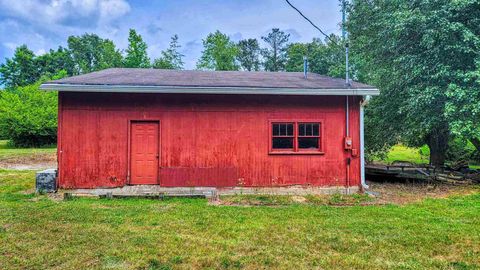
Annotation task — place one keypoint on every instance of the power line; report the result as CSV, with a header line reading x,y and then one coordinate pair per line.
x,y
305,17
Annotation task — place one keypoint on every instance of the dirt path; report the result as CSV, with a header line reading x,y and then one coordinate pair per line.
x,y
38,161
378,194
403,193
36,166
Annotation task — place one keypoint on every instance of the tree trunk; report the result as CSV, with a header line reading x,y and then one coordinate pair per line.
x,y
438,143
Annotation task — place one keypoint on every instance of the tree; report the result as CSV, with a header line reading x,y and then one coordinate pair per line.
x,y
111,56
20,70
137,56
323,58
92,53
218,53
463,105
171,58
53,62
26,68
297,51
423,56
275,56
249,54
463,92
3,133
28,116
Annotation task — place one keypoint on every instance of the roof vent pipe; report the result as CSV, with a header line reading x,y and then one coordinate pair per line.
x,y
305,67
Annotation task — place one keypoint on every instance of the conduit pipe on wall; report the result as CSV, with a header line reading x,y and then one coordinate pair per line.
x,y
347,118
363,103
347,134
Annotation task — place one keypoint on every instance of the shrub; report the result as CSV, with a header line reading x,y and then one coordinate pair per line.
x,y
424,151
460,150
3,135
28,116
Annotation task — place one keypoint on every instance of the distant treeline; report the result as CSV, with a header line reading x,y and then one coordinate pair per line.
x,y
424,56
90,52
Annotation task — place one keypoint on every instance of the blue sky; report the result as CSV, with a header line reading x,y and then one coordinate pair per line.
x,y
45,24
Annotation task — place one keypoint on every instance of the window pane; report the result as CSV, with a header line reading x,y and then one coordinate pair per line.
x,y
276,129
282,129
316,129
301,129
289,129
308,143
282,143
308,129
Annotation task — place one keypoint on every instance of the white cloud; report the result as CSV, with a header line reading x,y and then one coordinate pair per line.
x,y
40,51
46,24
113,9
65,12
10,45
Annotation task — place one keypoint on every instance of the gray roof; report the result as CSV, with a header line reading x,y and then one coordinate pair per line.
x,y
194,81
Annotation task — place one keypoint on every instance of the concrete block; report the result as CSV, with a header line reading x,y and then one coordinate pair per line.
x,y
46,181
210,193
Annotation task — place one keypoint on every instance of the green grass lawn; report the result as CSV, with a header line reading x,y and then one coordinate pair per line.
x,y
404,153
7,151
411,154
37,232
476,167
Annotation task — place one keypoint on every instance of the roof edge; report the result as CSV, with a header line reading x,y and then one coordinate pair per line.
x,y
208,90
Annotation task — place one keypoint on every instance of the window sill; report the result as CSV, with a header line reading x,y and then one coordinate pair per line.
x,y
296,153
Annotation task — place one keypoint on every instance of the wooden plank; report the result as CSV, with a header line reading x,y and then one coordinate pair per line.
x,y
419,173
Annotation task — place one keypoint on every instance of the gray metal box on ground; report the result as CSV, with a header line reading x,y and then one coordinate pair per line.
x,y
46,181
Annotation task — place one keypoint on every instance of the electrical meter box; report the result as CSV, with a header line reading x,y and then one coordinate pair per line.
x,y
348,143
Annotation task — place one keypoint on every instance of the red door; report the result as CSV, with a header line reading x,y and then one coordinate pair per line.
x,y
144,155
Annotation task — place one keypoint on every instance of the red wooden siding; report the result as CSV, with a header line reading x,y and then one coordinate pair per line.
x,y
204,140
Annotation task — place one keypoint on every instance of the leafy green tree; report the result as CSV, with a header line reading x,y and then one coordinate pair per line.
x,y
463,92
297,51
219,53
249,54
137,56
55,61
111,56
423,55
92,53
20,70
275,56
323,58
3,132
463,106
28,116
171,58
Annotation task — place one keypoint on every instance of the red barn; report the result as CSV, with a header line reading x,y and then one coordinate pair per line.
x,y
121,127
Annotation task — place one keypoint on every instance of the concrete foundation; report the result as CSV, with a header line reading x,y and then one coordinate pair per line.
x,y
208,192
